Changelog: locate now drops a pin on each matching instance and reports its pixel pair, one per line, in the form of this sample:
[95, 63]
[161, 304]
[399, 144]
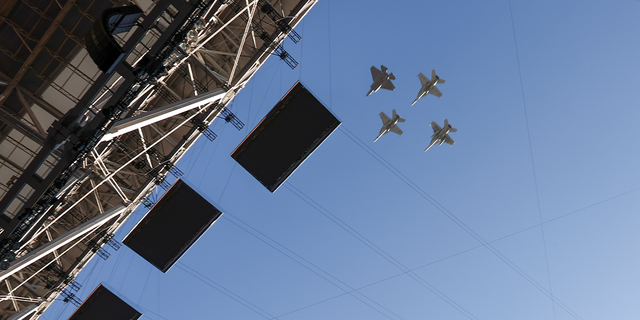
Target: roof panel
[24, 16]
[70, 18]
[41, 28]
[31, 81]
[12, 103]
[51, 68]
[8, 65]
[41, 61]
[23, 53]
[54, 9]
[67, 48]
[98, 6]
[56, 39]
[42, 4]
[9, 38]
[83, 27]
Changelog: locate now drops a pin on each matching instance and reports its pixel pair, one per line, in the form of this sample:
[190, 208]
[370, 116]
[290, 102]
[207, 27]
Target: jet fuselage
[387, 127]
[378, 84]
[441, 135]
[428, 86]
[389, 124]
[381, 79]
[425, 90]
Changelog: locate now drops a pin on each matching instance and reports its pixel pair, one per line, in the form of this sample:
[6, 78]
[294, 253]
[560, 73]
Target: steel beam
[218, 78]
[58, 243]
[153, 116]
[32, 115]
[41, 103]
[5, 80]
[26, 312]
[244, 38]
[27, 286]
[23, 128]
[188, 119]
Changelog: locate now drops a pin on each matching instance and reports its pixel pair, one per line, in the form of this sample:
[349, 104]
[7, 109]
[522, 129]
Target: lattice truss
[79, 178]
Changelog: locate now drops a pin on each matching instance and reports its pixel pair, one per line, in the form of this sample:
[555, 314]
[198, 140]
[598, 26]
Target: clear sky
[532, 214]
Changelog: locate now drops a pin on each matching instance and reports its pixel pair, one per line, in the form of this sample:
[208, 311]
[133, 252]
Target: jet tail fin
[434, 76]
[391, 76]
[395, 114]
[446, 124]
[384, 69]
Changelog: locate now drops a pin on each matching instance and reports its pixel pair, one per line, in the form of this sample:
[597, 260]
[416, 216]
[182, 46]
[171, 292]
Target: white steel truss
[203, 74]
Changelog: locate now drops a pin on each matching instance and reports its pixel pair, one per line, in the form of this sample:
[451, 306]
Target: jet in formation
[389, 124]
[381, 80]
[429, 86]
[441, 135]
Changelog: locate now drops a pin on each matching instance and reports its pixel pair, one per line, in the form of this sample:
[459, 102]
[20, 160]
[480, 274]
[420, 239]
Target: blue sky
[547, 133]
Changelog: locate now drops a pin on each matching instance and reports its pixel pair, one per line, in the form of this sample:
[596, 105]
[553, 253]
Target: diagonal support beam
[26, 312]
[32, 115]
[153, 116]
[27, 286]
[244, 38]
[41, 103]
[56, 255]
[218, 78]
[208, 58]
[10, 296]
[214, 34]
[59, 242]
[144, 145]
[112, 182]
[5, 80]
[17, 124]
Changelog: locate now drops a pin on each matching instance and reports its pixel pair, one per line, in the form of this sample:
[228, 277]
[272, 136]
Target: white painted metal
[153, 116]
[114, 173]
[16, 298]
[50, 247]
[252, 10]
[222, 51]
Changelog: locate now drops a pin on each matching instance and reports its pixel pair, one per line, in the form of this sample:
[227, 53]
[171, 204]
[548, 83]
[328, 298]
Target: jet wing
[448, 140]
[436, 128]
[384, 118]
[435, 91]
[376, 74]
[396, 129]
[388, 85]
[423, 79]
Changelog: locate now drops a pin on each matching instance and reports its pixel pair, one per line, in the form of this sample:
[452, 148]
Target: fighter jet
[429, 86]
[389, 124]
[381, 80]
[441, 134]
